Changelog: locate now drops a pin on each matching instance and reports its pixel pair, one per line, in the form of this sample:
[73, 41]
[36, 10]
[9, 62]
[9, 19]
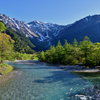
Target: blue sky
[61, 12]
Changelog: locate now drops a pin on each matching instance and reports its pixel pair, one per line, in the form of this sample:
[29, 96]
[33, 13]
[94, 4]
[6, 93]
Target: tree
[68, 48]
[69, 57]
[94, 57]
[41, 56]
[6, 46]
[75, 43]
[86, 48]
[59, 52]
[76, 50]
[50, 55]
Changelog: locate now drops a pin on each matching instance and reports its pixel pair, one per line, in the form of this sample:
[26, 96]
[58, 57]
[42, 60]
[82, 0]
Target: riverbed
[41, 81]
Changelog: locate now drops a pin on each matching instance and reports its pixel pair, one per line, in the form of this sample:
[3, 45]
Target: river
[41, 81]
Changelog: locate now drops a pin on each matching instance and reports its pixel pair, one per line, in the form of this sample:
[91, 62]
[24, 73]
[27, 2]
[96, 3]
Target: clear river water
[41, 81]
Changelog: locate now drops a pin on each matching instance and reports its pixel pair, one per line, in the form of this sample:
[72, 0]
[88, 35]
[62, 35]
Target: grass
[5, 68]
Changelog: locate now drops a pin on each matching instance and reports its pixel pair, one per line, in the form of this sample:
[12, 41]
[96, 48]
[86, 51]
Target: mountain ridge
[43, 34]
[88, 26]
[33, 29]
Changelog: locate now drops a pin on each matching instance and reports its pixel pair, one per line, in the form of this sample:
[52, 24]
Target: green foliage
[41, 56]
[86, 52]
[2, 27]
[34, 56]
[4, 65]
[59, 54]
[94, 57]
[6, 46]
[75, 43]
[86, 48]
[5, 68]
[23, 56]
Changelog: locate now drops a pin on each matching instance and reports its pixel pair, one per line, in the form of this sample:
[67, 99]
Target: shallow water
[45, 82]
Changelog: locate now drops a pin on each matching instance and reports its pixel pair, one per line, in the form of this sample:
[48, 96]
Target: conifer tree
[86, 48]
[59, 52]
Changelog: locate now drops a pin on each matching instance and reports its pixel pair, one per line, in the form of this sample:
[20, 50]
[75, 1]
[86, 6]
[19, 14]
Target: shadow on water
[71, 79]
[40, 65]
[92, 74]
[33, 67]
[93, 77]
[57, 76]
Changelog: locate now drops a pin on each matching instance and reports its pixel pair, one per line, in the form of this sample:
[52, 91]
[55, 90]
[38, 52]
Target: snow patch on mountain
[16, 23]
[41, 31]
[41, 37]
[6, 22]
[47, 30]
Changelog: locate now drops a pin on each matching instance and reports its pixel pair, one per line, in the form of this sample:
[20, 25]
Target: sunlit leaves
[2, 27]
[6, 46]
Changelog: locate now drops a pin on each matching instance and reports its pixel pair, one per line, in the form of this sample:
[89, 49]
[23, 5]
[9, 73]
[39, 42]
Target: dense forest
[71, 54]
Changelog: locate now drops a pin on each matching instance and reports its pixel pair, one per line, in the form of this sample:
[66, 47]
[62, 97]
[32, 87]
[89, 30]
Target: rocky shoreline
[27, 61]
[80, 69]
[5, 78]
[87, 70]
[76, 68]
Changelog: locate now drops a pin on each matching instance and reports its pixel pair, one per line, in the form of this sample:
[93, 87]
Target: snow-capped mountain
[43, 34]
[40, 31]
[46, 31]
[19, 26]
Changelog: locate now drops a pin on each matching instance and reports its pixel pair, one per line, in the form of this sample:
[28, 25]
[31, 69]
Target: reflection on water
[45, 82]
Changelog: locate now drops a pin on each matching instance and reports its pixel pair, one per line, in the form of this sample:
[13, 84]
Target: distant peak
[36, 21]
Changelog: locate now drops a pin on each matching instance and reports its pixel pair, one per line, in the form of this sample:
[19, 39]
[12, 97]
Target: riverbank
[7, 77]
[27, 61]
[76, 68]
[87, 70]
[5, 69]
[79, 69]
[6, 73]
